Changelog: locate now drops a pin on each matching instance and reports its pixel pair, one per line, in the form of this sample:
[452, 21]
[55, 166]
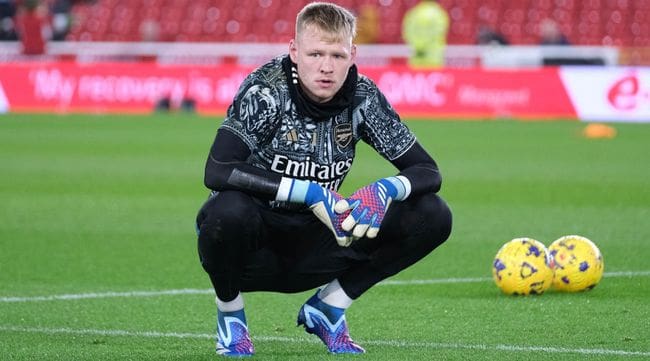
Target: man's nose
[327, 65]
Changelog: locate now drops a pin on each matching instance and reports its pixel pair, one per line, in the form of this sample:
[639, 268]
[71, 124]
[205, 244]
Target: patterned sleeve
[382, 127]
[253, 115]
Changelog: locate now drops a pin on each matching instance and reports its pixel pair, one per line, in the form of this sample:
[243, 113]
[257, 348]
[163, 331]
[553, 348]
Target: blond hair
[330, 18]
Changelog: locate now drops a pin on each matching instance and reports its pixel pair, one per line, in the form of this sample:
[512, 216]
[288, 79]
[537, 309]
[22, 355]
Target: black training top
[273, 130]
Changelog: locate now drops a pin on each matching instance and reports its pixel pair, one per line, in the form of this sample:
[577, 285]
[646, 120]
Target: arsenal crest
[343, 134]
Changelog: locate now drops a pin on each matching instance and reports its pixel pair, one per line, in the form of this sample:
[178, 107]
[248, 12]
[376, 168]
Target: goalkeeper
[274, 220]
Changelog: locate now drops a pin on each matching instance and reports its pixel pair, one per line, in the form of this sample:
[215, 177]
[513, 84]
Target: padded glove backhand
[320, 200]
[369, 204]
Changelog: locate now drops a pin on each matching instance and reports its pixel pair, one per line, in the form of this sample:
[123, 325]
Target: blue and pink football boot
[328, 323]
[232, 335]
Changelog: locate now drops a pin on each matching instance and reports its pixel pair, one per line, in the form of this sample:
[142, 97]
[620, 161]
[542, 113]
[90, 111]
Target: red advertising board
[116, 87]
[135, 88]
[475, 93]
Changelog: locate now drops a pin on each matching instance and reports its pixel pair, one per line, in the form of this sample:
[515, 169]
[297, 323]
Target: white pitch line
[433, 281]
[389, 343]
[81, 296]
[193, 291]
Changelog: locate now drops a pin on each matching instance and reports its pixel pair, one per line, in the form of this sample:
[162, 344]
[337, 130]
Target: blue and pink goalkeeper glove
[369, 204]
[320, 200]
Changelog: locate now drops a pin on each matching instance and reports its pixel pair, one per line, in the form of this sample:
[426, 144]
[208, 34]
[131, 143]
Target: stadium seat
[586, 22]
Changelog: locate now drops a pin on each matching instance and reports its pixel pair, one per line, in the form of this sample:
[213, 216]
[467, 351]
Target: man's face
[323, 62]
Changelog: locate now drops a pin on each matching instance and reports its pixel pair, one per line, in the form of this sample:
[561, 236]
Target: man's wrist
[402, 187]
[292, 190]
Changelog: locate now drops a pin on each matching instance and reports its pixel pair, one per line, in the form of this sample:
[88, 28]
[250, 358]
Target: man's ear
[353, 53]
[293, 51]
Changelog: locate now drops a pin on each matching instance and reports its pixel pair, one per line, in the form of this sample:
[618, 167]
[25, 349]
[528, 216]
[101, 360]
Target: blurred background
[465, 35]
[108, 109]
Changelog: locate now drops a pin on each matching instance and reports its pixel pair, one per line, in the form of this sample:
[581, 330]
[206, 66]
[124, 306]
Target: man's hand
[369, 204]
[321, 202]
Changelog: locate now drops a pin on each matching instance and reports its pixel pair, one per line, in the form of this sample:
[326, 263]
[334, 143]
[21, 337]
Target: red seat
[588, 22]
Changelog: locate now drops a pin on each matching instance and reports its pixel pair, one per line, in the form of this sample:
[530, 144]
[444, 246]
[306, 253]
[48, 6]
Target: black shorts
[247, 245]
[294, 251]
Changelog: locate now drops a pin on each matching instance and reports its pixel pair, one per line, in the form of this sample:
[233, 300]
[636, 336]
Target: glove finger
[375, 222]
[360, 230]
[343, 241]
[348, 223]
[360, 214]
[372, 232]
[342, 206]
[321, 212]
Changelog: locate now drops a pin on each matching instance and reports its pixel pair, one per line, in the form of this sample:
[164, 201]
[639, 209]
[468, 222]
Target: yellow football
[577, 262]
[522, 267]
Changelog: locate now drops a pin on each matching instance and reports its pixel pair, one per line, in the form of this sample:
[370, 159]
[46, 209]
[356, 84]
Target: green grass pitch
[98, 253]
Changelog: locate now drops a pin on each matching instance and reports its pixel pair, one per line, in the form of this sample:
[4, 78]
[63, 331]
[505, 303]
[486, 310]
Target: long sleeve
[226, 168]
[420, 169]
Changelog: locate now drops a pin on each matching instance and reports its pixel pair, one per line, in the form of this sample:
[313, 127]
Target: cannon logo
[343, 135]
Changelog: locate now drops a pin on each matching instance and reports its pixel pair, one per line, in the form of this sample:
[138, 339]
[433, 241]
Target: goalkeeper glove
[369, 204]
[321, 202]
